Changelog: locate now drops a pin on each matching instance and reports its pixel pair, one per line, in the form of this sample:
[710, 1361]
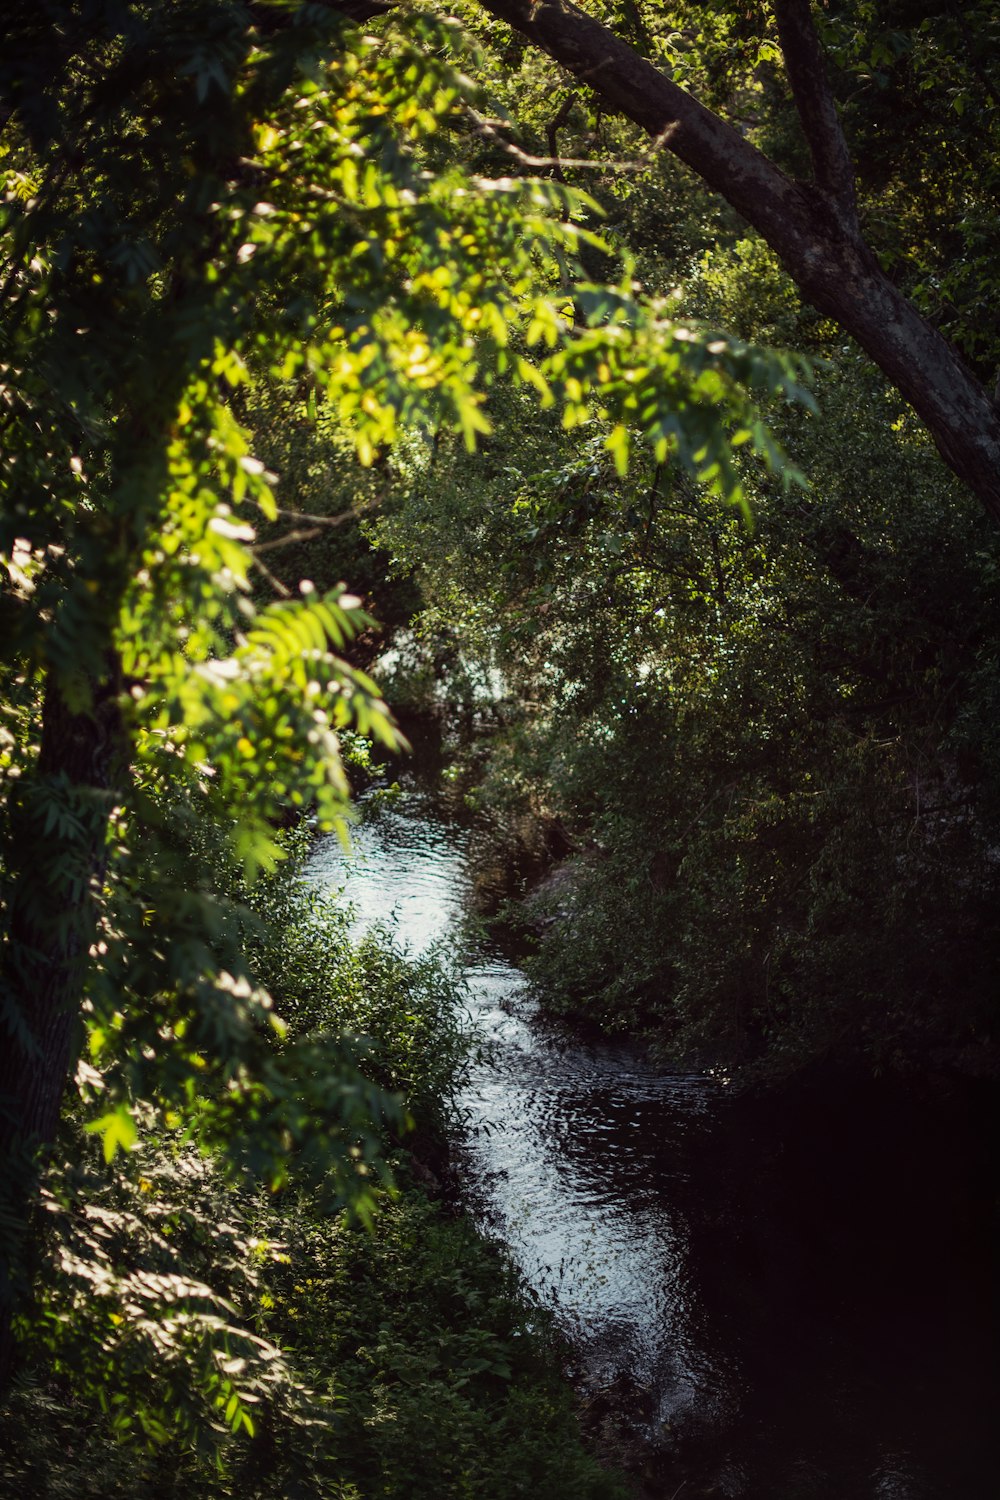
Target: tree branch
[633, 87]
[490, 130]
[812, 229]
[553, 128]
[307, 534]
[805, 66]
[340, 519]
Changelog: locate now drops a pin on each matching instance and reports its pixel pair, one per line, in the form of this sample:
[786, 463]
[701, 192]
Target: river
[788, 1297]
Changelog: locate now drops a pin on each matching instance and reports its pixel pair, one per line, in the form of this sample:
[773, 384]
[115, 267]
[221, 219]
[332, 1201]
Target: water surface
[792, 1297]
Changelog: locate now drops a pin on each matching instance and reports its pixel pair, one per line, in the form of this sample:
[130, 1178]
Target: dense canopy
[611, 354]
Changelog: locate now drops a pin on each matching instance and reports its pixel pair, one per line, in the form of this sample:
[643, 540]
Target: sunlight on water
[688, 1243]
[559, 1138]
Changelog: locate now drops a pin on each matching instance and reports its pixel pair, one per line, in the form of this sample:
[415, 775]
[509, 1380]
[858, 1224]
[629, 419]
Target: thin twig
[489, 128]
[287, 540]
[276, 583]
[553, 129]
[340, 519]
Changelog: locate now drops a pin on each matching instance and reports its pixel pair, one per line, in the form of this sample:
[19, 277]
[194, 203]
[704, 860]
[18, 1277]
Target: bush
[192, 1332]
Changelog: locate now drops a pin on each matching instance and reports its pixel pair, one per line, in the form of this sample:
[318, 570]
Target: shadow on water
[845, 1248]
[797, 1292]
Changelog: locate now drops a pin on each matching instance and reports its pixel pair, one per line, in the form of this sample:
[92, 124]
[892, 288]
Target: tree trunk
[845, 281]
[811, 226]
[59, 842]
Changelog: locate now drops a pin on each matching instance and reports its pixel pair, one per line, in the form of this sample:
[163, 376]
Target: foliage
[417, 1371]
[238, 240]
[257, 204]
[400, 1015]
[757, 743]
[146, 1300]
[920, 103]
[206, 209]
[448, 1384]
[189, 1332]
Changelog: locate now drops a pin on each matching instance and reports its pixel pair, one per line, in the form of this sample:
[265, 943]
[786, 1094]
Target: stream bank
[783, 1296]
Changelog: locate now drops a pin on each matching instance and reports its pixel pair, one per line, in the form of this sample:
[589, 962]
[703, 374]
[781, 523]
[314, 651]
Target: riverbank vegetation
[759, 741]
[761, 751]
[221, 223]
[189, 1329]
[307, 301]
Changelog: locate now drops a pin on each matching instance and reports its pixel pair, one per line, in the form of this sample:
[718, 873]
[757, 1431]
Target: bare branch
[307, 534]
[805, 66]
[287, 540]
[554, 126]
[489, 129]
[279, 588]
[340, 519]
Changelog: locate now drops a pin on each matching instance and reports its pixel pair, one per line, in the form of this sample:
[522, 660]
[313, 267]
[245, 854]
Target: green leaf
[118, 1131]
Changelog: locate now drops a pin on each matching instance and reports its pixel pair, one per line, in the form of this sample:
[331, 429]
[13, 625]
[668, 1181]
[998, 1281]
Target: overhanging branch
[632, 86]
[813, 230]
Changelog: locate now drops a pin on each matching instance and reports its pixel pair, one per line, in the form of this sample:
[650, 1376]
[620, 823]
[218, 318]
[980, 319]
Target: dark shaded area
[822, 1315]
[844, 1246]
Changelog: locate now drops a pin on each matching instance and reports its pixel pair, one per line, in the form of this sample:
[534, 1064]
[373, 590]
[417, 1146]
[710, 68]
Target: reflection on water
[566, 1144]
[793, 1315]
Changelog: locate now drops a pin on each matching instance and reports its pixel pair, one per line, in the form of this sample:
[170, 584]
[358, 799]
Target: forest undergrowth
[194, 1333]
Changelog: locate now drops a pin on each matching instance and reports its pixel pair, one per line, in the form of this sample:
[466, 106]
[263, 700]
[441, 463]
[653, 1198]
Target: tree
[762, 755]
[200, 200]
[813, 225]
